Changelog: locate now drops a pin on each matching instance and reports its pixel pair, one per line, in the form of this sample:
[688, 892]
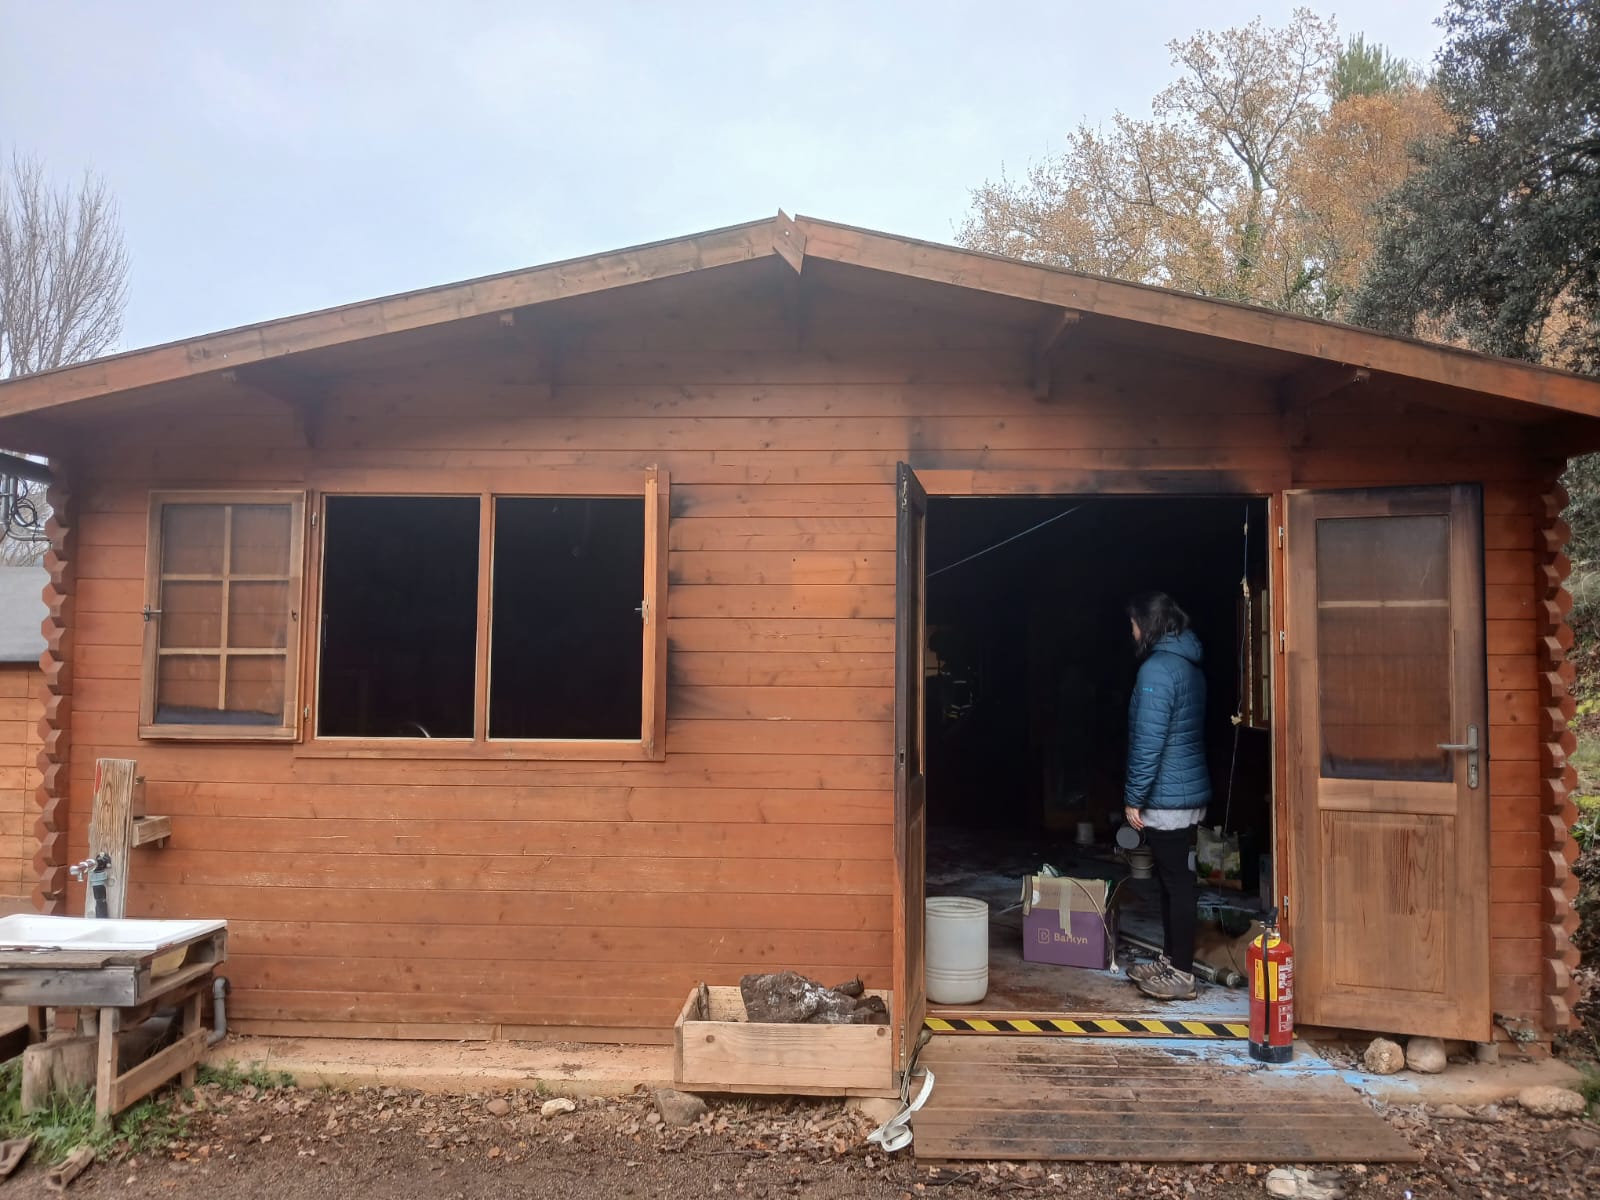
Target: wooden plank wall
[474, 898]
[21, 701]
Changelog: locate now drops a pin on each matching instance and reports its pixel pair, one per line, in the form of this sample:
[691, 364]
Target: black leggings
[1178, 893]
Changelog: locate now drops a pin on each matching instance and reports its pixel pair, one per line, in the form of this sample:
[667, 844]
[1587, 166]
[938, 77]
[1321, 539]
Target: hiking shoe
[1139, 972]
[1169, 984]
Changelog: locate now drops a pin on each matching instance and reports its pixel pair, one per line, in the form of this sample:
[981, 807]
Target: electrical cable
[990, 549]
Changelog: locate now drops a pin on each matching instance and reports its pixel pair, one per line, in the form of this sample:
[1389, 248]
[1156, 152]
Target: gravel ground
[287, 1143]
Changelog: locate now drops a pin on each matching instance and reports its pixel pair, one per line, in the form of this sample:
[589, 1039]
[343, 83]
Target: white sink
[29, 931]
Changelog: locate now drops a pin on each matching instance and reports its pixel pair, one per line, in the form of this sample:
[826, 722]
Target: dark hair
[1158, 615]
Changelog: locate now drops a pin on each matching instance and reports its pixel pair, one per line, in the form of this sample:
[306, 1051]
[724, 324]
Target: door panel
[1389, 814]
[910, 779]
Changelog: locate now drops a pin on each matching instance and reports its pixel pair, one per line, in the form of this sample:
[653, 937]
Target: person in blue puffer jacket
[1168, 785]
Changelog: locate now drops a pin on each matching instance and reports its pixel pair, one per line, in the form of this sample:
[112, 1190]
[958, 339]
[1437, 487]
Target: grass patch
[231, 1077]
[1589, 1088]
[68, 1122]
[1586, 758]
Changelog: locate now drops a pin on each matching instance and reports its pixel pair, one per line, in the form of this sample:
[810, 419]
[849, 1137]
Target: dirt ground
[287, 1143]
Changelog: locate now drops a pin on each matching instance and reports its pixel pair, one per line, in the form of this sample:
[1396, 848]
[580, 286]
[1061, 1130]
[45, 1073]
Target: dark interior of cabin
[1030, 667]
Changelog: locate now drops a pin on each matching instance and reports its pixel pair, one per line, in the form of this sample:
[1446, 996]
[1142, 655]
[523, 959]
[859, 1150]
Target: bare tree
[63, 287]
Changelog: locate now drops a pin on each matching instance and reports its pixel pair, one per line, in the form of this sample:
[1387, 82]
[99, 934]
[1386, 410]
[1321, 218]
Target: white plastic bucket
[957, 950]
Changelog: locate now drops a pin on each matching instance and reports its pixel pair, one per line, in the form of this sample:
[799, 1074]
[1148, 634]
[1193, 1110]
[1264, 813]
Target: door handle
[1472, 752]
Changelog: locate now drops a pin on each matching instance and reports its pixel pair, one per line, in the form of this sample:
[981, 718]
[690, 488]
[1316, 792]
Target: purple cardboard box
[1068, 922]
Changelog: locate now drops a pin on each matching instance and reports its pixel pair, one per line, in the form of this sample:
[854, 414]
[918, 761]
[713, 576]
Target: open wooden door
[1388, 768]
[910, 779]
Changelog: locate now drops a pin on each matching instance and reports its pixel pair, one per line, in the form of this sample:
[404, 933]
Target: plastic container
[957, 950]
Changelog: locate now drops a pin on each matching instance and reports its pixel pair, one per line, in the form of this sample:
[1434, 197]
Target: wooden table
[116, 990]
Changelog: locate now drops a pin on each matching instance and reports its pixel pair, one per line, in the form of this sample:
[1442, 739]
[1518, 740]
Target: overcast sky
[277, 156]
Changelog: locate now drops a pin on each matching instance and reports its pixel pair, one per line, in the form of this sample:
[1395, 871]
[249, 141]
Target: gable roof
[794, 241]
[22, 613]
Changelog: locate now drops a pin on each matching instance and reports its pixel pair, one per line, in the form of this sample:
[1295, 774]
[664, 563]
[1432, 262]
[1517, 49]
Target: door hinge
[305, 713]
[1283, 641]
[1283, 909]
[313, 519]
[1280, 537]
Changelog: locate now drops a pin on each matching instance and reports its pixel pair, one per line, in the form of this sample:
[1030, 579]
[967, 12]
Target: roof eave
[793, 241]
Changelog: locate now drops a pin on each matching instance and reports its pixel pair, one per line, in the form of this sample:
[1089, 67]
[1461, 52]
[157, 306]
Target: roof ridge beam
[789, 241]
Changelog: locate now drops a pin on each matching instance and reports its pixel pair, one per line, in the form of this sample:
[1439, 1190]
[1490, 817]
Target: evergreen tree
[1495, 240]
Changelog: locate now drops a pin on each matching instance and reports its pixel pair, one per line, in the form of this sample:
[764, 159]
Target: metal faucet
[97, 870]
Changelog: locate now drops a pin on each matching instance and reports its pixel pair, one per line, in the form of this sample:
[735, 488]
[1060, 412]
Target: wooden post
[106, 1068]
[111, 828]
[193, 1016]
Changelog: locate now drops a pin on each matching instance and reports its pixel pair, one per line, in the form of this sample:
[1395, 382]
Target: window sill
[214, 733]
[464, 750]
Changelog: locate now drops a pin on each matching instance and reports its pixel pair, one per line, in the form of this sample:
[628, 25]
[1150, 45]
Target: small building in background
[22, 611]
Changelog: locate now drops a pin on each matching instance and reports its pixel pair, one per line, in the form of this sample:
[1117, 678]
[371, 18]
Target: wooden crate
[723, 1051]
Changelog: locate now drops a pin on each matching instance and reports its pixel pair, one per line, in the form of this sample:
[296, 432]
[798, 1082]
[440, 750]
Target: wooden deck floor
[1067, 1099]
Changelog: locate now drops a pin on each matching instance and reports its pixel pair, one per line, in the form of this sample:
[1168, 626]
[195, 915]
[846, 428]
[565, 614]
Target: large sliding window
[565, 658]
[505, 623]
[399, 638]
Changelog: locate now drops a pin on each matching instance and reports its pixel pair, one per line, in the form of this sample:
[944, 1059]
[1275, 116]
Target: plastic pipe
[219, 1015]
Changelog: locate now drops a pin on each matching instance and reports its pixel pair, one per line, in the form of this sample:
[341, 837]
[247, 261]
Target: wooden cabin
[512, 655]
[21, 703]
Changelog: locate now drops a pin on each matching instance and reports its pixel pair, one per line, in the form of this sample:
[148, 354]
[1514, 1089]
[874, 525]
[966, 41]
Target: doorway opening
[1030, 665]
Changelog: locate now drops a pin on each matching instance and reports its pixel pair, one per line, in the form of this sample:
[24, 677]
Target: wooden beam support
[25, 468]
[542, 334]
[1317, 383]
[303, 393]
[1054, 332]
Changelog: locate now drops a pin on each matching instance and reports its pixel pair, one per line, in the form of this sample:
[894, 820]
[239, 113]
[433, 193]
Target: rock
[679, 1108]
[1295, 1184]
[1452, 1112]
[554, 1108]
[498, 1107]
[1583, 1138]
[1426, 1055]
[1281, 1182]
[788, 997]
[1552, 1102]
[1384, 1057]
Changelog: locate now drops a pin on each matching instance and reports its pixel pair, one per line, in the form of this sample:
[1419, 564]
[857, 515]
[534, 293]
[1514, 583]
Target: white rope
[1007, 542]
[895, 1133]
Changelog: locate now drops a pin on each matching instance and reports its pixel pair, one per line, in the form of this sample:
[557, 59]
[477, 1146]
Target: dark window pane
[1383, 647]
[567, 656]
[399, 617]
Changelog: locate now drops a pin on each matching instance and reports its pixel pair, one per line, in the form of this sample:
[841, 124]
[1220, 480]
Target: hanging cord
[990, 549]
[1244, 680]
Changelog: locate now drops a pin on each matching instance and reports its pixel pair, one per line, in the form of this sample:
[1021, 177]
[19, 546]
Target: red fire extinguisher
[1270, 963]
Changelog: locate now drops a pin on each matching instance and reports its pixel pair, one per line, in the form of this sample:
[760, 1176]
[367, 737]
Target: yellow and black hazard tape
[1104, 1027]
